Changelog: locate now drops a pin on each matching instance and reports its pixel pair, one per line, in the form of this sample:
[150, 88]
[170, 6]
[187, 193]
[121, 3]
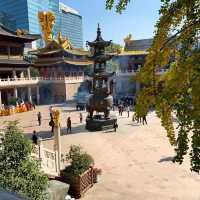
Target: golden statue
[127, 39]
[56, 117]
[21, 32]
[47, 20]
[64, 42]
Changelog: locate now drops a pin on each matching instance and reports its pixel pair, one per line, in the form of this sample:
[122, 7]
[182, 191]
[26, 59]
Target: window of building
[15, 51]
[3, 50]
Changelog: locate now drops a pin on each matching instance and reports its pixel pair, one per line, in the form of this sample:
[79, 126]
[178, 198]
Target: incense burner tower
[101, 99]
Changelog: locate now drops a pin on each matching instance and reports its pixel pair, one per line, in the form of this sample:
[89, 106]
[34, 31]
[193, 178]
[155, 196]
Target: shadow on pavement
[75, 130]
[166, 159]
[134, 124]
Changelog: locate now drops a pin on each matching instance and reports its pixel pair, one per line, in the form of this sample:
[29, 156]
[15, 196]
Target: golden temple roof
[75, 62]
[129, 53]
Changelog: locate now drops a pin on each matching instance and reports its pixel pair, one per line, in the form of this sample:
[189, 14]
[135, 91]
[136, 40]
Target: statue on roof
[47, 20]
[127, 39]
[64, 41]
[21, 32]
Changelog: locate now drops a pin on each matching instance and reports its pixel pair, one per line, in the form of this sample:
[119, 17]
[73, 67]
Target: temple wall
[52, 93]
[71, 90]
[59, 93]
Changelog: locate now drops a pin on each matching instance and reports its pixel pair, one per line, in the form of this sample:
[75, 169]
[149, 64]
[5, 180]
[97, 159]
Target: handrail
[44, 78]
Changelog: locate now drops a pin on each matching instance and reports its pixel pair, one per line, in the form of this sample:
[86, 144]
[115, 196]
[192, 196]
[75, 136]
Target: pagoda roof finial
[99, 32]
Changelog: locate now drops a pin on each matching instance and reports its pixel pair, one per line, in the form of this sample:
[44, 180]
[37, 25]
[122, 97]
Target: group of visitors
[122, 108]
[125, 101]
[52, 123]
[140, 119]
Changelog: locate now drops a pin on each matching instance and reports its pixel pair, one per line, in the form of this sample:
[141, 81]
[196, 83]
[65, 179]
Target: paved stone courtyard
[136, 161]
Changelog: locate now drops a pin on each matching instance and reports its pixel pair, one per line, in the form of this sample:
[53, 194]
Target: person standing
[115, 126]
[128, 110]
[81, 117]
[69, 125]
[39, 117]
[122, 109]
[52, 124]
[35, 138]
[144, 120]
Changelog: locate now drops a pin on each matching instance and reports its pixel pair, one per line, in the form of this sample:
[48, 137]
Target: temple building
[59, 62]
[14, 70]
[129, 61]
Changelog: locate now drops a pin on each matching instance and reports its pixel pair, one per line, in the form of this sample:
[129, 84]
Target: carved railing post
[57, 142]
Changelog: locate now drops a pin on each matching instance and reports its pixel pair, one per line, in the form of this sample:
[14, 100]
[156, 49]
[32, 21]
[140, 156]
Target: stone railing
[128, 72]
[13, 82]
[48, 159]
[125, 72]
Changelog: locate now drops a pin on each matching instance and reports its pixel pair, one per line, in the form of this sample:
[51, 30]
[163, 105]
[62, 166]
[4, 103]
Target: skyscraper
[25, 13]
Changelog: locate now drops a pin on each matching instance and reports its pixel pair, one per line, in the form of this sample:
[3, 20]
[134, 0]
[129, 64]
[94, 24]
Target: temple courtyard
[135, 161]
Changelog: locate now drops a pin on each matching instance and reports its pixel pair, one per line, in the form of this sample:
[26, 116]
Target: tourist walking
[144, 120]
[52, 125]
[81, 117]
[128, 110]
[69, 125]
[39, 117]
[35, 138]
[115, 126]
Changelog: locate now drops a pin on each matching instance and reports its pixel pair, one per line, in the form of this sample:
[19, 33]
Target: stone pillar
[29, 95]
[22, 74]
[38, 95]
[15, 93]
[28, 73]
[14, 74]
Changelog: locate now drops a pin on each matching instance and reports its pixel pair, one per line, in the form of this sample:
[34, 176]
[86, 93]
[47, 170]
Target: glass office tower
[8, 21]
[71, 25]
[25, 13]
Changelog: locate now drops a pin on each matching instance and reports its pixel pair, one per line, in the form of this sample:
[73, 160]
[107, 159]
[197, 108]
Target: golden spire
[47, 20]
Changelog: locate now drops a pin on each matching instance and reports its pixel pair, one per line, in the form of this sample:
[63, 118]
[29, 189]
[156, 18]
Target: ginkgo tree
[175, 94]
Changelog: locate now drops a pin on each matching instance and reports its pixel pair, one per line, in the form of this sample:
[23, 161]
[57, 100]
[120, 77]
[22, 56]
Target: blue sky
[138, 19]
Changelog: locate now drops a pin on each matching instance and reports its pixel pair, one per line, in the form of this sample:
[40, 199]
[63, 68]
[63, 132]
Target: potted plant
[79, 174]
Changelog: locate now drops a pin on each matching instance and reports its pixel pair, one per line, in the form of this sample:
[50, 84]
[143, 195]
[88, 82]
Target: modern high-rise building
[25, 15]
[7, 21]
[70, 25]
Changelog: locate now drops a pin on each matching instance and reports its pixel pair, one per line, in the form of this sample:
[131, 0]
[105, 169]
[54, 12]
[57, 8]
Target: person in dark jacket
[144, 120]
[115, 126]
[52, 124]
[69, 125]
[34, 137]
[81, 117]
[39, 117]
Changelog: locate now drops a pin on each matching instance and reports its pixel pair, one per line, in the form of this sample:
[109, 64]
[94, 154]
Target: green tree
[120, 5]
[176, 92]
[113, 48]
[18, 171]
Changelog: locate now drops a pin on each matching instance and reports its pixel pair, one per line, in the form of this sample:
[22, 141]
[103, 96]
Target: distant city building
[130, 60]
[7, 21]
[71, 25]
[25, 15]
